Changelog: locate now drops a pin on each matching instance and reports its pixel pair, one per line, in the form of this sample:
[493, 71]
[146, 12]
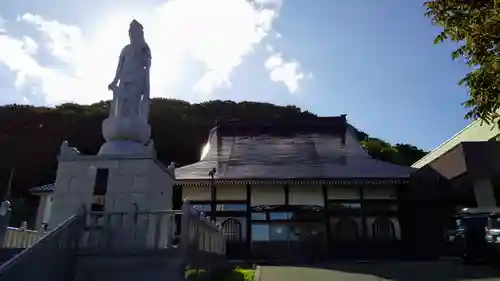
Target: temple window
[259, 216]
[232, 207]
[260, 232]
[280, 215]
[383, 229]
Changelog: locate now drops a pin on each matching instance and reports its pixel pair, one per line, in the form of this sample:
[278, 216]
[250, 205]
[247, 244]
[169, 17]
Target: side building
[467, 166]
[285, 190]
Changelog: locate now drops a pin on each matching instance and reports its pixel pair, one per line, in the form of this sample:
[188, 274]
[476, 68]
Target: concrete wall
[129, 268]
[485, 195]
[143, 181]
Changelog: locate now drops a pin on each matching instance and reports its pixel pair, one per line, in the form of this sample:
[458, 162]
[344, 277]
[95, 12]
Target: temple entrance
[288, 232]
[345, 236]
[358, 230]
[233, 230]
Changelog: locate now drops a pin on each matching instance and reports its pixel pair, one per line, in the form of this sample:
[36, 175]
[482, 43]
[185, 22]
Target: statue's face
[135, 35]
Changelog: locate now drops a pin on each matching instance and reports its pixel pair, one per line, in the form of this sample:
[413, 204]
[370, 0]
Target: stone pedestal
[43, 211]
[133, 181]
[125, 136]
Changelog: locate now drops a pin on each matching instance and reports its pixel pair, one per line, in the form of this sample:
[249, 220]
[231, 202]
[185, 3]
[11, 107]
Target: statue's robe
[129, 96]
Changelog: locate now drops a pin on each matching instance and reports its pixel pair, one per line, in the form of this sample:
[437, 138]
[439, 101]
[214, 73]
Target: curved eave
[207, 182]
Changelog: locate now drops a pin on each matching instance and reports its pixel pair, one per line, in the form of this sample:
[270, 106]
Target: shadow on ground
[397, 271]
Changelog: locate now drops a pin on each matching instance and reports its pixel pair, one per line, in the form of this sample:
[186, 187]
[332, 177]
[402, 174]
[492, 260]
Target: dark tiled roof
[309, 153]
[283, 127]
[47, 188]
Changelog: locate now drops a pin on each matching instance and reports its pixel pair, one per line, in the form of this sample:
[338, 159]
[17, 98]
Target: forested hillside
[30, 137]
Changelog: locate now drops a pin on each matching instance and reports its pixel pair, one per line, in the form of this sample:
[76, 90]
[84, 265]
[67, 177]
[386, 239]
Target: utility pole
[213, 199]
[9, 184]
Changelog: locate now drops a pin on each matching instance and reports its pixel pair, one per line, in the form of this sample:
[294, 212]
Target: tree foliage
[30, 137]
[475, 26]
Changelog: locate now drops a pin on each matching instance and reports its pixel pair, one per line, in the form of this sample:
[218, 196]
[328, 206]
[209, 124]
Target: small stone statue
[67, 150]
[4, 208]
[171, 166]
[130, 85]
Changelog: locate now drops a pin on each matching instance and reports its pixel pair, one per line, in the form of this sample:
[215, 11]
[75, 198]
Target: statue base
[125, 136]
[124, 147]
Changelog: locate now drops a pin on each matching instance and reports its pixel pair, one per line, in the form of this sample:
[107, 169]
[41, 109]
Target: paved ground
[397, 271]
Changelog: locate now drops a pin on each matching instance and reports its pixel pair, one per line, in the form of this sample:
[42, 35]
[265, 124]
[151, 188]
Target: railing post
[79, 228]
[4, 220]
[185, 227]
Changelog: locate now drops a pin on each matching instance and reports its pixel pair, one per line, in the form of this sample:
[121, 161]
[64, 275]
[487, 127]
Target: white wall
[231, 192]
[306, 195]
[267, 195]
[343, 192]
[298, 194]
[201, 193]
[380, 192]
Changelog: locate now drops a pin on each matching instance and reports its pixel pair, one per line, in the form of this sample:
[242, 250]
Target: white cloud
[2, 25]
[29, 45]
[287, 72]
[63, 40]
[217, 33]
[269, 2]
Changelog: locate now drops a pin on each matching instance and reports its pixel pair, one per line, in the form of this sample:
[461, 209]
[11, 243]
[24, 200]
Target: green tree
[475, 26]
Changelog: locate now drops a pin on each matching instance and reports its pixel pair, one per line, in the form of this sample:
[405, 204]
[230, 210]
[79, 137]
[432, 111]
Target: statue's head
[136, 32]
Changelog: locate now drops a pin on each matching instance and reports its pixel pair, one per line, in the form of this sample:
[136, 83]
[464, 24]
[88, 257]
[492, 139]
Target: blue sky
[373, 60]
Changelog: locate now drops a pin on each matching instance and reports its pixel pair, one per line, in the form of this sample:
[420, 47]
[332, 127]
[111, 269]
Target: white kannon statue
[131, 83]
[126, 130]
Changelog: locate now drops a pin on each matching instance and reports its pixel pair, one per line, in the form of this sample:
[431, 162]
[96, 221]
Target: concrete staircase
[8, 253]
[104, 246]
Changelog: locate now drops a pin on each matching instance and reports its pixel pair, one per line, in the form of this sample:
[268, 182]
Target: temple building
[287, 189]
[469, 165]
[304, 189]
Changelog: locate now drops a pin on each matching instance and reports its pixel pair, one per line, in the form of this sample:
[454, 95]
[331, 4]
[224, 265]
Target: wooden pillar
[403, 249]
[249, 219]
[399, 188]
[213, 200]
[364, 232]
[324, 189]
[286, 188]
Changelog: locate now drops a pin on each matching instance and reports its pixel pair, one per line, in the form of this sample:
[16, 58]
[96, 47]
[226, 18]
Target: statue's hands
[112, 86]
